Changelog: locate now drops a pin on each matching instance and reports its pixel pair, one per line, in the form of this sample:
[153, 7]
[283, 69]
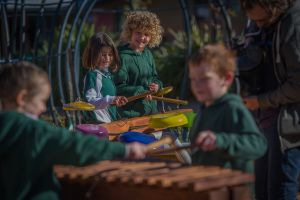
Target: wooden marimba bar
[152, 181]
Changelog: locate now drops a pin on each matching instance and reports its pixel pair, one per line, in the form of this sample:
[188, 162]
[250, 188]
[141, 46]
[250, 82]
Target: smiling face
[105, 58]
[206, 84]
[139, 40]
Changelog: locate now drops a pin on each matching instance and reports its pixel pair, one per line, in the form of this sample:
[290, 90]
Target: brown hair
[221, 59]
[93, 50]
[19, 76]
[143, 21]
[272, 7]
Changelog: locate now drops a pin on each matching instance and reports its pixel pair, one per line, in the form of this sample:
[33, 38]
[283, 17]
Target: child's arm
[100, 102]
[91, 85]
[59, 146]
[46, 145]
[245, 141]
[206, 141]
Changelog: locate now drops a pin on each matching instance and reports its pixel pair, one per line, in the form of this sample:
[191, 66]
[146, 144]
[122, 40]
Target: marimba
[152, 181]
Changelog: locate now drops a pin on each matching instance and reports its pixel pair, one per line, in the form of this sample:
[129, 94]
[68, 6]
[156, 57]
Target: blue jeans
[276, 172]
[291, 169]
[268, 172]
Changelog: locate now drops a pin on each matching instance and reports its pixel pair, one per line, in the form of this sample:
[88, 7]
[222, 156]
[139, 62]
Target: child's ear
[229, 78]
[21, 98]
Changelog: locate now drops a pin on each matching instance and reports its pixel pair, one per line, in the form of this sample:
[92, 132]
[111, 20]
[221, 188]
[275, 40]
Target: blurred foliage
[68, 86]
[170, 57]
[87, 31]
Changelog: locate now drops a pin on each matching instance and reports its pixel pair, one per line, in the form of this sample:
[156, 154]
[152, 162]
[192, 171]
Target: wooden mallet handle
[164, 140]
[139, 96]
[172, 149]
[170, 100]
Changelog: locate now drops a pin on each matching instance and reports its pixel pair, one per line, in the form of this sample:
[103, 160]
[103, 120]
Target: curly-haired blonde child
[101, 58]
[137, 74]
[29, 148]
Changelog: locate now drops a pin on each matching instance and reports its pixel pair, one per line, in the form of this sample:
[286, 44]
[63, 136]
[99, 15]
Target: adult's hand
[251, 102]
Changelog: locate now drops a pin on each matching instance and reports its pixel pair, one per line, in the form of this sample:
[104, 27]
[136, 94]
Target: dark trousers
[268, 171]
[291, 169]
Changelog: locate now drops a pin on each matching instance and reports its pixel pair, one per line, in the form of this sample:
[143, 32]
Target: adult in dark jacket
[279, 100]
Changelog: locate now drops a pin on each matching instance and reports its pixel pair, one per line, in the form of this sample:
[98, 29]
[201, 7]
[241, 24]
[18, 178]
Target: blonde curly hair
[142, 21]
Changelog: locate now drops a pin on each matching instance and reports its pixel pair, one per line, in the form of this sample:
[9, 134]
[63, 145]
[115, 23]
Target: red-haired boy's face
[206, 84]
[139, 40]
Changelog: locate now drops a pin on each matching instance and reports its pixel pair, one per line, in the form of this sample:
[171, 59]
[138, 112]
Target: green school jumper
[30, 148]
[239, 141]
[137, 71]
[99, 90]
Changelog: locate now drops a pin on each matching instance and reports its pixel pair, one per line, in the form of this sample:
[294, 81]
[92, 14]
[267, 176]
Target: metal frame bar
[187, 27]
[49, 61]
[5, 40]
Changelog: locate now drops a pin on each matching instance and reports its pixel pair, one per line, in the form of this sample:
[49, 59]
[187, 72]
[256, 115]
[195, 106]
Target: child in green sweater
[137, 73]
[101, 57]
[225, 131]
[29, 148]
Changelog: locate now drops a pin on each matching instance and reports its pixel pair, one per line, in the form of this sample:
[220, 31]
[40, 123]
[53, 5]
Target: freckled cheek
[198, 89]
[44, 108]
[194, 86]
[200, 85]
